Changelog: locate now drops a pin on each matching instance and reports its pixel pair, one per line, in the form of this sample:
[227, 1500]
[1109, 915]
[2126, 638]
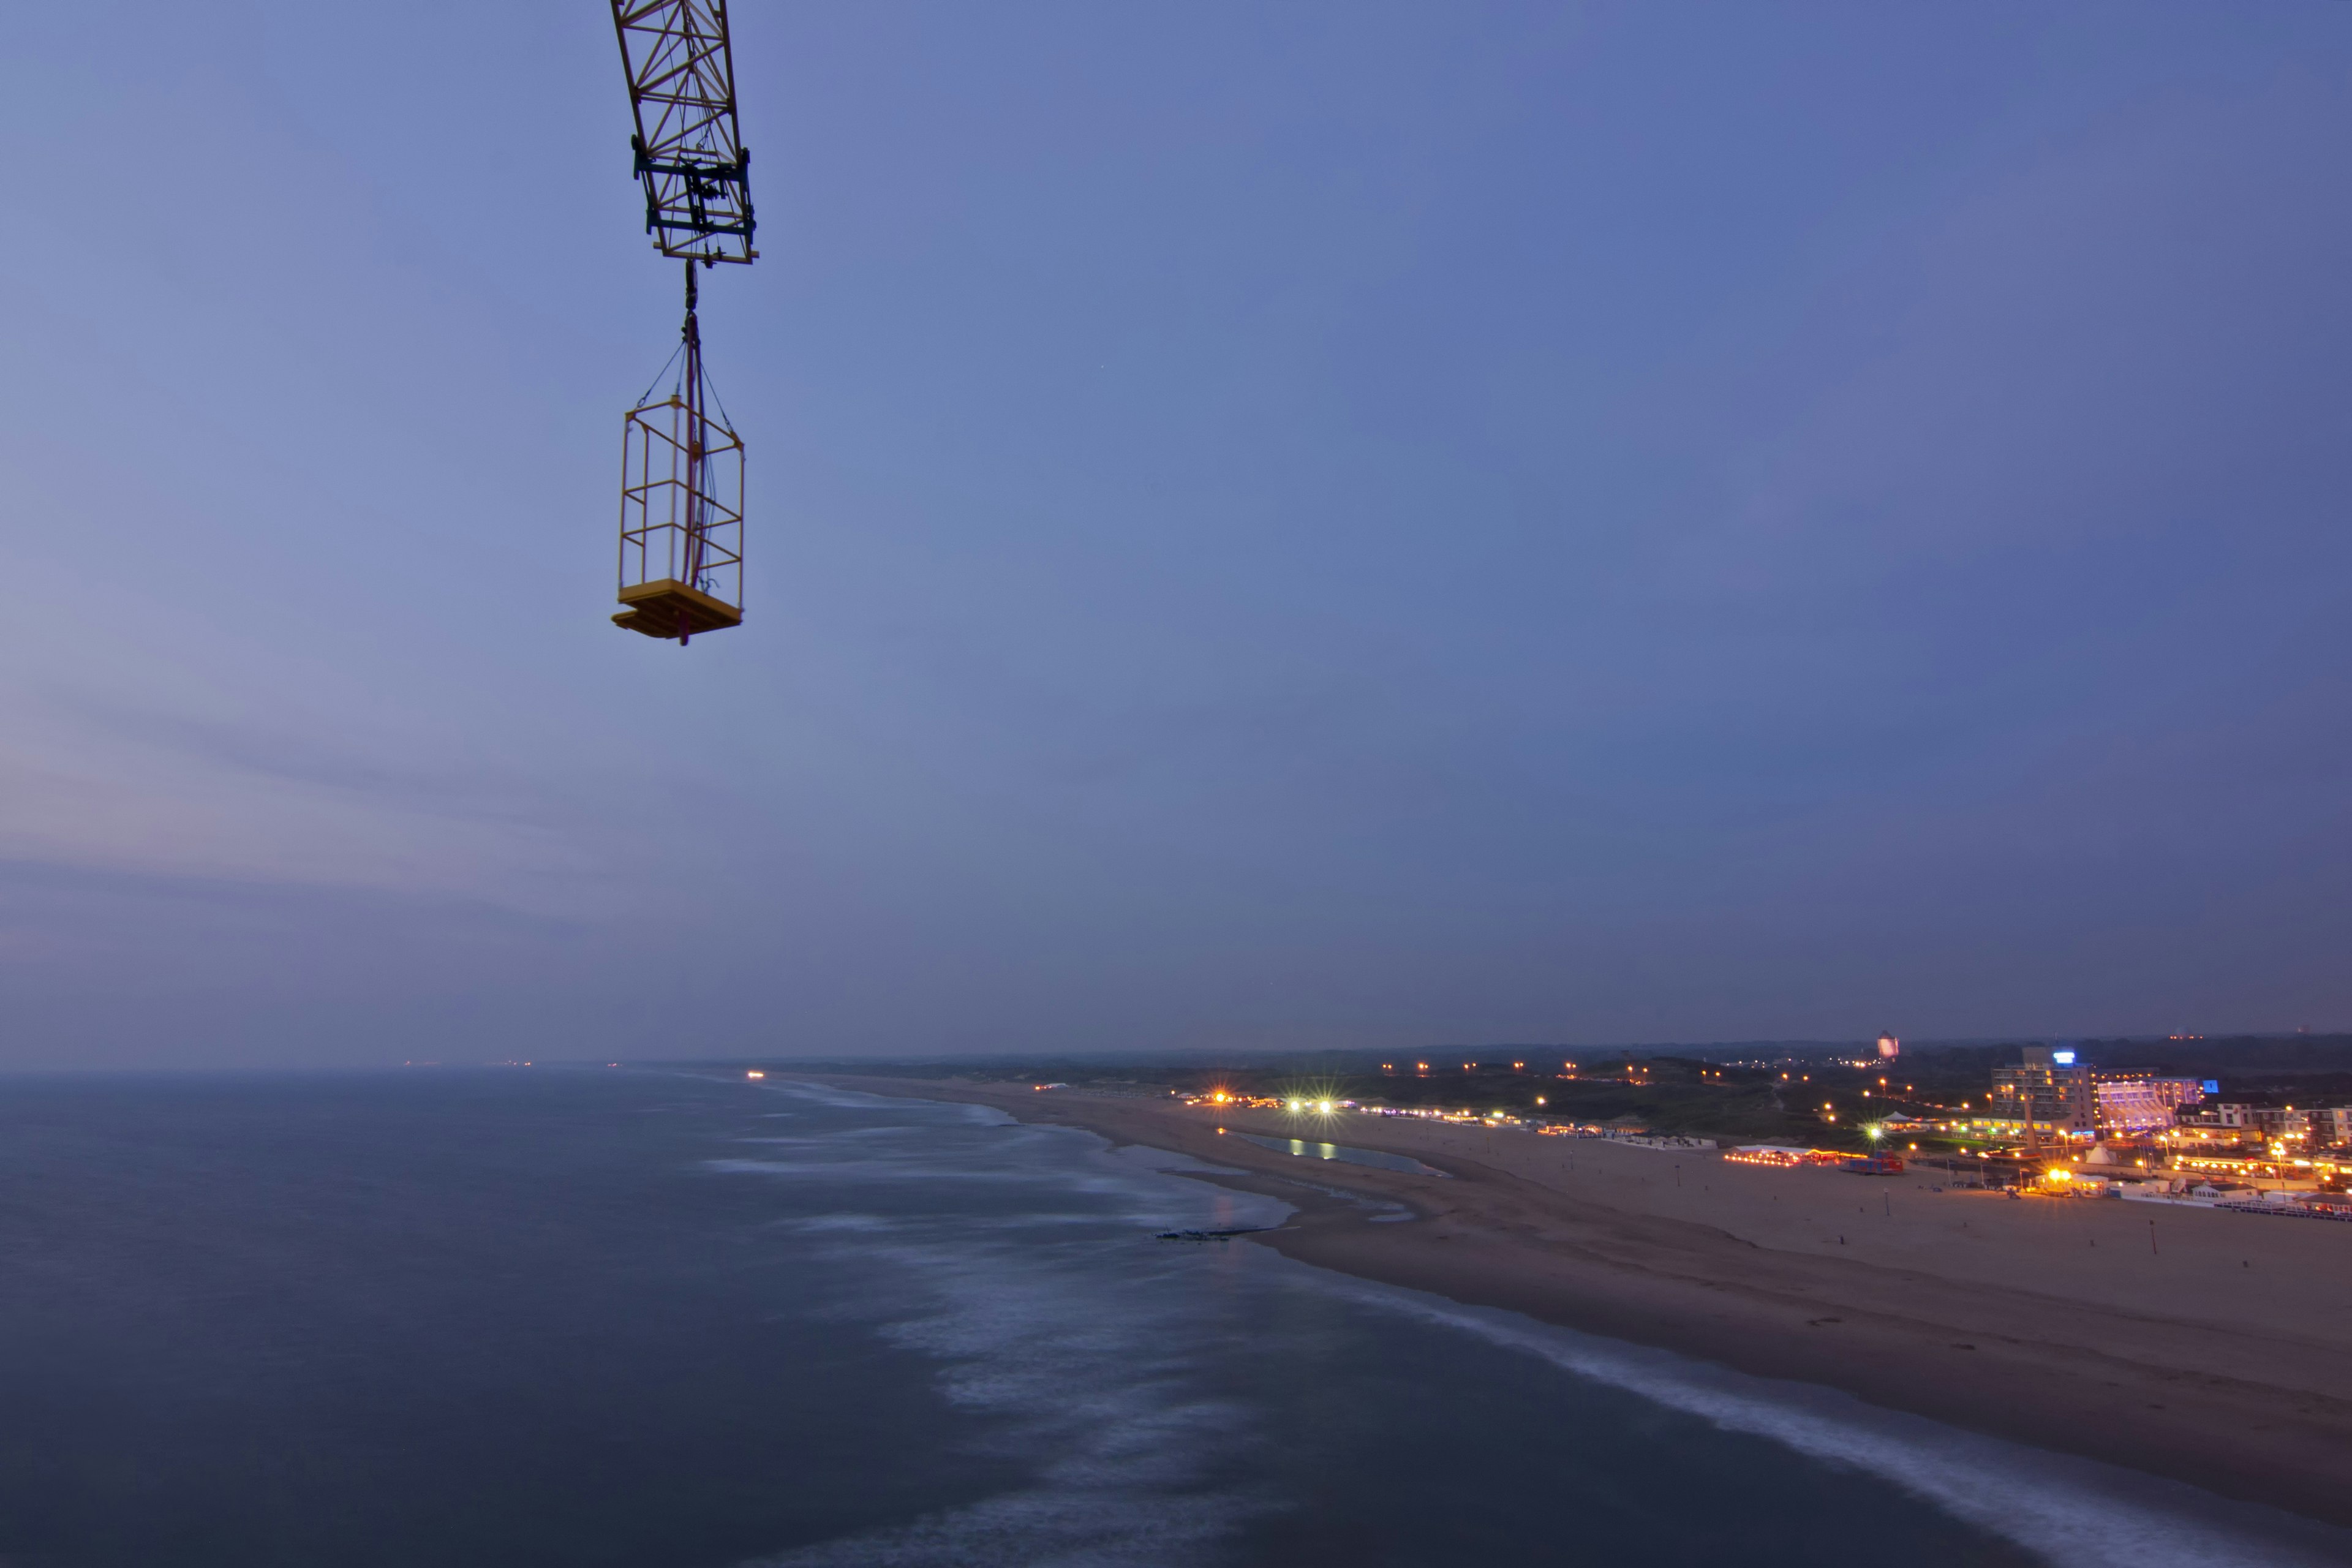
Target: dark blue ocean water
[652, 1320]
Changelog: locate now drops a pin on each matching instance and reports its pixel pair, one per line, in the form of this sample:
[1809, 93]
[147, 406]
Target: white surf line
[862, 1099]
[1094, 1375]
[2076, 1511]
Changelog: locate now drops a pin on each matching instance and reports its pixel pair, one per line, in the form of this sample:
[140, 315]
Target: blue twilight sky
[1306, 524]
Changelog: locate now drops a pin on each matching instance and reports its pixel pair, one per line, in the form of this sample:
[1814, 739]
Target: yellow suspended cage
[681, 567]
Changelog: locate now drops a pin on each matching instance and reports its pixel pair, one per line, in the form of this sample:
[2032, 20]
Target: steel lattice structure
[689, 148]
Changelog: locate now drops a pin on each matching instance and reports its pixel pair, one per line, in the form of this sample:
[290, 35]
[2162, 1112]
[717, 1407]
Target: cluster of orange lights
[1780, 1157]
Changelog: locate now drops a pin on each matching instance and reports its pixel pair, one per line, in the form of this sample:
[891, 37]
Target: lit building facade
[2131, 1105]
[2224, 1117]
[2308, 1127]
[2047, 1094]
[2331, 1127]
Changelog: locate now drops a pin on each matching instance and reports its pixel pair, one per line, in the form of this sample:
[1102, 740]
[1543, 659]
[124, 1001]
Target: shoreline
[2223, 1360]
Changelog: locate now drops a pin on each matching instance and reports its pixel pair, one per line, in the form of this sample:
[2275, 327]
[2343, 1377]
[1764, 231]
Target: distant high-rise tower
[1889, 1047]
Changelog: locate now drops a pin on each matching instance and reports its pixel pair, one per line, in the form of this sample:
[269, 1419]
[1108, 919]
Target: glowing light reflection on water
[1317, 1151]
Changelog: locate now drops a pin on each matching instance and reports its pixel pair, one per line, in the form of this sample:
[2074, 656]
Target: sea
[632, 1318]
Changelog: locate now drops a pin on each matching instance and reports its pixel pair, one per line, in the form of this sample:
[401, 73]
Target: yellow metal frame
[681, 564]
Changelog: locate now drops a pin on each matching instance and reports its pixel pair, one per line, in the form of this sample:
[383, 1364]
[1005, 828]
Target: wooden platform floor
[667, 608]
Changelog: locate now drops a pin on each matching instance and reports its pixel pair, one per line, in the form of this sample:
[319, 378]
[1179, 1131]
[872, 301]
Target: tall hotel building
[2048, 1093]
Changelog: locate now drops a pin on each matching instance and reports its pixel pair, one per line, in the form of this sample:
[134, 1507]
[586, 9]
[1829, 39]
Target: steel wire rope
[648, 392]
[726, 420]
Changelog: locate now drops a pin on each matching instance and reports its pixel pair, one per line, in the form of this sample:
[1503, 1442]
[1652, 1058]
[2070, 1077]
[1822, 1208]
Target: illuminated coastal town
[2048, 1121]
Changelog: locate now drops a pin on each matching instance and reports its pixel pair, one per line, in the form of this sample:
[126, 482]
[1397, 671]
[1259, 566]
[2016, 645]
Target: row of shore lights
[1471, 1067]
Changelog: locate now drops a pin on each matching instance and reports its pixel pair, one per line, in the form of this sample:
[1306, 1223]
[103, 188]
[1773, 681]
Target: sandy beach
[2207, 1346]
